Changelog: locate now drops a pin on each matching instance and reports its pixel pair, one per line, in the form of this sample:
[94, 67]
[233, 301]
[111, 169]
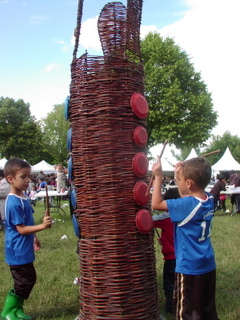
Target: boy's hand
[47, 222]
[157, 168]
[36, 244]
[177, 166]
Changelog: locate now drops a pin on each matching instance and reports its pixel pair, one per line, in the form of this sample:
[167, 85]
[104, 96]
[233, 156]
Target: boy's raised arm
[157, 200]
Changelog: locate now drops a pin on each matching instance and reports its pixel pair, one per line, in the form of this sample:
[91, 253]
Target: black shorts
[24, 277]
[194, 296]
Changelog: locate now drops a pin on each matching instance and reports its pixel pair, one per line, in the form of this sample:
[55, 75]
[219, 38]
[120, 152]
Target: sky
[37, 46]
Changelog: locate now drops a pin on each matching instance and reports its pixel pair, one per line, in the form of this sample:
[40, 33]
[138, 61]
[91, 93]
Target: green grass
[55, 297]
[57, 264]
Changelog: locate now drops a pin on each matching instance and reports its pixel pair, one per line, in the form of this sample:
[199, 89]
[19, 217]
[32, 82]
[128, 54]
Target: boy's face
[20, 181]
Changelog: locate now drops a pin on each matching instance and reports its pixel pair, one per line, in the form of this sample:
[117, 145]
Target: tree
[20, 134]
[181, 108]
[221, 143]
[55, 128]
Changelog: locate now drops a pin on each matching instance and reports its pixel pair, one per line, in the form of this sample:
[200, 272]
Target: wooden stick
[47, 212]
[210, 153]
[157, 232]
[151, 180]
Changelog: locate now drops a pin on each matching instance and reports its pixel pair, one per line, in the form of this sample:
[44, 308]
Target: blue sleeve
[14, 212]
[179, 208]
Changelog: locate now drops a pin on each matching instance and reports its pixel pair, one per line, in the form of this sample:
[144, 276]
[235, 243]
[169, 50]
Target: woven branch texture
[117, 262]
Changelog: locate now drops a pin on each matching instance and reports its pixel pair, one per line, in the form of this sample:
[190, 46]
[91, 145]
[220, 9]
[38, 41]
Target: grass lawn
[57, 263]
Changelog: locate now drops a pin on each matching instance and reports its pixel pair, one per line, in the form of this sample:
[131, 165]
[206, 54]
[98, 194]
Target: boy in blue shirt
[20, 238]
[195, 273]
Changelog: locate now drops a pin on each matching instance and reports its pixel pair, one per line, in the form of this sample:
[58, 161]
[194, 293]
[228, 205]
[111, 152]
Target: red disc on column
[140, 136]
[139, 105]
[139, 191]
[140, 164]
[144, 221]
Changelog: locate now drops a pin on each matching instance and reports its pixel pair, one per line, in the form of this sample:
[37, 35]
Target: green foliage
[221, 143]
[20, 133]
[55, 128]
[54, 297]
[24, 137]
[57, 264]
[181, 108]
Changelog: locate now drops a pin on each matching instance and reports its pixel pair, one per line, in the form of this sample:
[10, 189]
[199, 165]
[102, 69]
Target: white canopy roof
[165, 165]
[43, 166]
[166, 158]
[192, 154]
[2, 162]
[226, 163]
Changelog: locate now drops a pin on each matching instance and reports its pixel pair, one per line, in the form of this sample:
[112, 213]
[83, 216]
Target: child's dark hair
[12, 166]
[197, 169]
[221, 177]
[224, 175]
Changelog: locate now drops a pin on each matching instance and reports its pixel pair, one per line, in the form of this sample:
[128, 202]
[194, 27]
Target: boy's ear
[190, 183]
[9, 179]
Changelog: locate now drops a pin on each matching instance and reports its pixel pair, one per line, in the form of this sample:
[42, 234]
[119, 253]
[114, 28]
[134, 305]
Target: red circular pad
[140, 164]
[140, 136]
[139, 191]
[144, 221]
[139, 105]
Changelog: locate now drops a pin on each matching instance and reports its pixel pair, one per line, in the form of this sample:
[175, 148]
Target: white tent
[43, 166]
[165, 165]
[2, 162]
[192, 154]
[226, 163]
[166, 159]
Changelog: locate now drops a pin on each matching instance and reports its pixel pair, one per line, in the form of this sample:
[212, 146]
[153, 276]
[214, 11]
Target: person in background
[32, 196]
[166, 240]
[31, 184]
[233, 178]
[195, 273]
[170, 181]
[4, 191]
[52, 181]
[220, 185]
[20, 238]
[41, 176]
[42, 184]
[235, 198]
[61, 178]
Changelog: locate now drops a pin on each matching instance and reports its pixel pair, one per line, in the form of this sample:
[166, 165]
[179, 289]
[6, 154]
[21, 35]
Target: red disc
[139, 193]
[140, 164]
[139, 105]
[144, 221]
[140, 136]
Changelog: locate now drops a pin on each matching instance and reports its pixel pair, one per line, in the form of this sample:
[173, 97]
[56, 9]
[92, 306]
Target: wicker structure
[117, 261]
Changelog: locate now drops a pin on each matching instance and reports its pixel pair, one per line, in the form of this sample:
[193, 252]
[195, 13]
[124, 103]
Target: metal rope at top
[78, 28]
